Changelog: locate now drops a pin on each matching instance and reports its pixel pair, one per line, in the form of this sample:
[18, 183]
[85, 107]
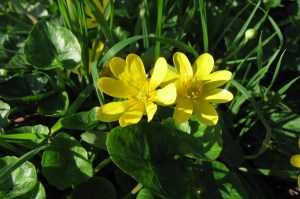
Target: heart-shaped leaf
[146, 152]
[51, 46]
[65, 162]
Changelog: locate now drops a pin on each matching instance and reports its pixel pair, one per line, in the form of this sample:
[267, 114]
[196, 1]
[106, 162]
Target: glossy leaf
[40, 129]
[227, 183]
[38, 192]
[26, 87]
[197, 140]
[95, 138]
[213, 180]
[145, 151]
[55, 105]
[65, 162]
[146, 193]
[50, 46]
[81, 120]
[20, 181]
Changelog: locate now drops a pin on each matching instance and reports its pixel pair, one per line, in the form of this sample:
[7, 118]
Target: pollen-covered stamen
[142, 96]
[193, 89]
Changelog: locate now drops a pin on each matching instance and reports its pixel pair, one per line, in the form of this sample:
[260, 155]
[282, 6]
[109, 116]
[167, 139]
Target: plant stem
[102, 164]
[134, 191]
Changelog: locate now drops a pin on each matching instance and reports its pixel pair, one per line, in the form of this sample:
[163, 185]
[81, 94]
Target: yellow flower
[91, 20]
[295, 161]
[197, 88]
[141, 94]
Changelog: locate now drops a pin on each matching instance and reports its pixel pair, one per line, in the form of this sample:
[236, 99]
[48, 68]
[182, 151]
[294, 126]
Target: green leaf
[95, 188]
[19, 181]
[207, 142]
[65, 162]
[55, 105]
[81, 120]
[38, 192]
[50, 46]
[76, 104]
[214, 180]
[39, 129]
[4, 112]
[146, 193]
[95, 138]
[198, 141]
[18, 61]
[26, 87]
[287, 86]
[228, 184]
[145, 151]
[28, 136]
[24, 136]
[6, 171]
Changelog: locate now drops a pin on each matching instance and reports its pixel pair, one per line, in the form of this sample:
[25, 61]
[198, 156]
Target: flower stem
[102, 164]
[134, 191]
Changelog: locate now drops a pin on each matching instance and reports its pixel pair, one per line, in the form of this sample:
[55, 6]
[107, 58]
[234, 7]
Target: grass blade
[6, 171]
[158, 27]
[202, 9]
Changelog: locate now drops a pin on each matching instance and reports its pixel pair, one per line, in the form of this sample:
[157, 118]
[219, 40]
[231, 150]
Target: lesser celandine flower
[91, 21]
[295, 161]
[141, 94]
[197, 87]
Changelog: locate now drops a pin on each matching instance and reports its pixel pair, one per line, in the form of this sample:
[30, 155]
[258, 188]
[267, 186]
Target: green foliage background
[52, 146]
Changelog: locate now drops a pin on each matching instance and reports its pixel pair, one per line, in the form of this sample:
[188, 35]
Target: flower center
[192, 89]
[143, 96]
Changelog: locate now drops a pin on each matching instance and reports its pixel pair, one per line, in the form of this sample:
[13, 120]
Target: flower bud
[250, 33]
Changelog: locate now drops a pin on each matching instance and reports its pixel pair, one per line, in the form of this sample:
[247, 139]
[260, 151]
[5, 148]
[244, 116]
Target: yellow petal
[117, 66]
[112, 111]
[102, 5]
[218, 95]
[203, 66]
[206, 113]
[99, 49]
[135, 70]
[299, 181]
[150, 110]
[88, 12]
[159, 73]
[217, 79]
[299, 143]
[171, 77]
[91, 23]
[295, 160]
[166, 96]
[99, 5]
[132, 116]
[115, 88]
[183, 110]
[183, 66]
